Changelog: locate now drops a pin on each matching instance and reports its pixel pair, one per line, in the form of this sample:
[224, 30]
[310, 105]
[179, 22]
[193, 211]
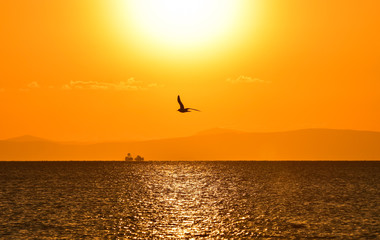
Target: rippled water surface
[190, 200]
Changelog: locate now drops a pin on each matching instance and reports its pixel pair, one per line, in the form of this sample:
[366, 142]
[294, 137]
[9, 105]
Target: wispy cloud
[29, 86]
[33, 85]
[129, 84]
[246, 79]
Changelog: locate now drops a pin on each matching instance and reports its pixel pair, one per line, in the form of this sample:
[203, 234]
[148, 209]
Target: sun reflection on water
[183, 201]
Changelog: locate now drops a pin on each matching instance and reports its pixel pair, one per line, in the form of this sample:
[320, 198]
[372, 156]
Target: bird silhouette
[182, 108]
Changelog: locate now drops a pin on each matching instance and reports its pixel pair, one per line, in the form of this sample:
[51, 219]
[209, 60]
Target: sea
[190, 200]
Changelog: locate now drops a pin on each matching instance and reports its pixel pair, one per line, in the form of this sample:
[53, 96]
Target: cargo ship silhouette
[129, 158]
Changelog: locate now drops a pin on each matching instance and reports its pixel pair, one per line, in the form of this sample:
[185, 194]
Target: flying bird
[182, 108]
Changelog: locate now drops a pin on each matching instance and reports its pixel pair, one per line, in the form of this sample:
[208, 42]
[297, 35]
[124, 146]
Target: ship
[139, 158]
[129, 157]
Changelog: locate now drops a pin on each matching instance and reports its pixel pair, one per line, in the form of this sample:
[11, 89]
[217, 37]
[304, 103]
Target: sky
[111, 70]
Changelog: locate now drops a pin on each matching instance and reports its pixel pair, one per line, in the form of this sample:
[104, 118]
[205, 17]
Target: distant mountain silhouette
[26, 138]
[213, 131]
[214, 144]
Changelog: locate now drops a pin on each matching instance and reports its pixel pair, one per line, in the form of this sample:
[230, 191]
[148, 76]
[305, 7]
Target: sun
[181, 23]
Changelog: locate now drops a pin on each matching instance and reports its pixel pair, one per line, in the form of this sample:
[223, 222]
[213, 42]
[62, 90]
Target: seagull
[182, 108]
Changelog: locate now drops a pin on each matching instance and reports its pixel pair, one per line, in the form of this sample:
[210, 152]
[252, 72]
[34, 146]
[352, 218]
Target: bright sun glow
[182, 23]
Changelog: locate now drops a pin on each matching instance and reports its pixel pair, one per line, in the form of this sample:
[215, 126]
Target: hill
[308, 144]
[26, 138]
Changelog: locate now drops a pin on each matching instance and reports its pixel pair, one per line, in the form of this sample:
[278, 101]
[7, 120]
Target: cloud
[129, 84]
[33, 85]
[246, 79]
[30, 86]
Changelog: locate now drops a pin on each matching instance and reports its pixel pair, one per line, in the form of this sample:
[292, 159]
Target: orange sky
[80, 70]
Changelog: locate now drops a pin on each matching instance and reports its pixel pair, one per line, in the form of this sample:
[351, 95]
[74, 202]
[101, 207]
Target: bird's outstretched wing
[180, 103]
[195, 109]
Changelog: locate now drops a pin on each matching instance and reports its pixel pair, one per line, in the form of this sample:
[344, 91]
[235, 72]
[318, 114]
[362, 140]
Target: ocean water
[190, 200]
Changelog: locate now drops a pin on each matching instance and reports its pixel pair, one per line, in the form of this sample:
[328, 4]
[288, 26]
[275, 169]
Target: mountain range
[213, 144]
